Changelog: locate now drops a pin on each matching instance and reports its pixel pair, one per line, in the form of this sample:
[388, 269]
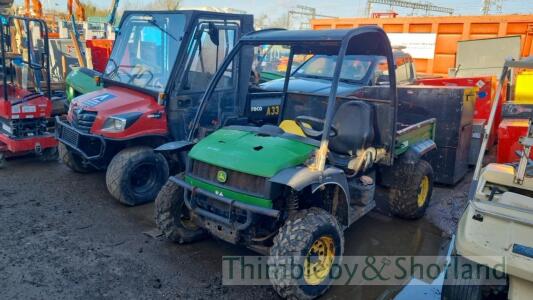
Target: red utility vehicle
[159, 68]
[26, 125]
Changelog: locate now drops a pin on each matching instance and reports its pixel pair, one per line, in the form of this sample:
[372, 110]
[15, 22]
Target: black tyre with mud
[471, 287]
[49, 154]
[73, 160]
[172, 215]
[411, 188]
[135, 175]
[313, 240]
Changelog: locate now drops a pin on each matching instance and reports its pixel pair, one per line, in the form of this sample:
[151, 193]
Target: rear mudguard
[415, 153]
[302, 177]
[418, 150]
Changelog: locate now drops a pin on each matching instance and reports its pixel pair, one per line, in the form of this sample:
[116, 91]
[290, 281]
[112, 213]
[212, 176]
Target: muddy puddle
[95, 246]
[374, 235]
[380, 235]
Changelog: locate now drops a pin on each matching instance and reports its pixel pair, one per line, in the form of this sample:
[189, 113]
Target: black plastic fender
[386, 174]
[177, 146]
[416, 151]
[301, 177]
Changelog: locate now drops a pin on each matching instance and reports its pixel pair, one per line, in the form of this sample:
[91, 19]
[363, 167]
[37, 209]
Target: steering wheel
[155, 82]
[149, 73]
[120, 70]
[142, 71]
[304, 121]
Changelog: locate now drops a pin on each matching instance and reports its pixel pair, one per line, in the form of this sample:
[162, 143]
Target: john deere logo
[222, 176]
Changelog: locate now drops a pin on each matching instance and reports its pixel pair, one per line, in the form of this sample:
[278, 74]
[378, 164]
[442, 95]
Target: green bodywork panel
[250, 153]
[414, 134]
[244, 198]
[265, 156]
[268, 76]
[79, 83]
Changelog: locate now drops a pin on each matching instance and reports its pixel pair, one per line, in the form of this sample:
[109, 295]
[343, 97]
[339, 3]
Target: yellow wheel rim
[423, 191]
[319, 260]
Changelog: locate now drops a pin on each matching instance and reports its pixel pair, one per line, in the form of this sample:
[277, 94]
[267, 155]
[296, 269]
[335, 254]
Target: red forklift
[160, 66]
[26, 124]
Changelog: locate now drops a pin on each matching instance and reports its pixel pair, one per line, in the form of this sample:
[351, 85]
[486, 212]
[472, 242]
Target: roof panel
[282, 35]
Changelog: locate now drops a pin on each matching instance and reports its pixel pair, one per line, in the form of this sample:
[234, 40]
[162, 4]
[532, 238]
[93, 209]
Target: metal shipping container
[449, 31]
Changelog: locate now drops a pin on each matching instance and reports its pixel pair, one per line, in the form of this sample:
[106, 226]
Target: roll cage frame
[340, 39]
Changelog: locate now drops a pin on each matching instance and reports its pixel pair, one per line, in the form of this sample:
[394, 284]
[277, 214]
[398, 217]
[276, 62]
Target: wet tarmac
[64, 237]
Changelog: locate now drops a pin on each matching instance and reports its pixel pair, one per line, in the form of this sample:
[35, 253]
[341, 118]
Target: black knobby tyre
[49, 154]
[472, 287]
[73, 160]
[411, 189]
[172, 218]
[461, 289]
[293, 243]
[135, 175]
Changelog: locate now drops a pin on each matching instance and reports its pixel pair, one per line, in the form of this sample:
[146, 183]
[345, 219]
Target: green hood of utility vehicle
[250, 153]
[78, 82]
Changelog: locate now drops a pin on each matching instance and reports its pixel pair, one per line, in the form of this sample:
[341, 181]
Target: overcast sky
[340, 8]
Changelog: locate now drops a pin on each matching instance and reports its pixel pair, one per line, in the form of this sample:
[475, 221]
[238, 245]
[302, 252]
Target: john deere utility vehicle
[289, 189]
[159, 68]
[497, 226]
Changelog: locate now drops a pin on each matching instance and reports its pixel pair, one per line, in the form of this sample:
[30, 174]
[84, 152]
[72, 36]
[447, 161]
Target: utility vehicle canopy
[232, 93]
[150, 44]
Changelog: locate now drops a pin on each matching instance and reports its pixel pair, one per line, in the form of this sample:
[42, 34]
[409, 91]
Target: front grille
[83, 120]
[220, 208]
[69, 136]
[234, 180]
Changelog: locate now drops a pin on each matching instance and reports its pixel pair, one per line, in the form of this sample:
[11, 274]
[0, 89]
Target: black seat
[354, 121]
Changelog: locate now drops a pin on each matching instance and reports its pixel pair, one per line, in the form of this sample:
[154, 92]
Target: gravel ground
[62, 236]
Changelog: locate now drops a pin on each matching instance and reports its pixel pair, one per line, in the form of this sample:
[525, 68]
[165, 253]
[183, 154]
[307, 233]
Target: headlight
[120, 122]
[115, 124]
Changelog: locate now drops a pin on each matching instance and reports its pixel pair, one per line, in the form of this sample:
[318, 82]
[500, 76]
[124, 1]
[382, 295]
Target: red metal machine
[509, 133]
[25, 103]
[100, 52]
[515, 114]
